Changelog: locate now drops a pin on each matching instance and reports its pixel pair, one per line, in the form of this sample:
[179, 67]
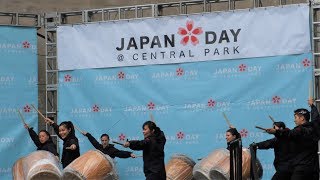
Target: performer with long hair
[66, 133]
[153, 151]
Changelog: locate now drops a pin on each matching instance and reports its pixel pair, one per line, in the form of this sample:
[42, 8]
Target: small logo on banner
[7, 142]
[7, 81]
[244, 133]
[189, 34]
[91, 111]
[178, 74]
[144, 109]
[23, 47]
[32, 80]
[70, 80]
[122, 137]
[121, 78]
[134, 171]
[303, 66]
[26, 108]
[210, 105]
[237, 71]
[5, 170]
[182, 137]
[275, 101]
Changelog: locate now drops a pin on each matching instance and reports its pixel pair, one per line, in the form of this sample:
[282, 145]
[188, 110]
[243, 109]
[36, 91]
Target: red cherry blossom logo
[306, 62]
[211, 103]
[122, 137]
[180, 135]
[95, 108]
[67, 78]
[242, 67]
[276, 99]
[179, 72]
[121, 75]
[151, 105]
[244, 133]
[27, 108]
[26, 44]
[189, 34]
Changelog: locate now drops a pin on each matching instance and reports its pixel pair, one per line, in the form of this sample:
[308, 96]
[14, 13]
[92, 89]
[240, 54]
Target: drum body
[91, 165]
[216, 160]
[179, 167]
[217, 166]
[37, 166]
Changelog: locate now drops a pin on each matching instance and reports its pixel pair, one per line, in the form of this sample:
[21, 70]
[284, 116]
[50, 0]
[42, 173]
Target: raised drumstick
[272, 119]
[23, 121]
[78, 129]
[38, 111]
[227, 120]
[151, 118]
[310, 90]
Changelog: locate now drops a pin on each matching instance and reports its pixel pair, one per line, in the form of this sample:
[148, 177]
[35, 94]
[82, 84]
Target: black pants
[296, 175]
[282, 175]
[156, 176]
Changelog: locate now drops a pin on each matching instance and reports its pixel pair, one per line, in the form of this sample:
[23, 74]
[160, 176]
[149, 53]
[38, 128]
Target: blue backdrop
[18, 90]
[187, 101]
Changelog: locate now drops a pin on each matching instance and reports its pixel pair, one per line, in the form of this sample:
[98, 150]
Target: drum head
[217, 175]
[46, 175]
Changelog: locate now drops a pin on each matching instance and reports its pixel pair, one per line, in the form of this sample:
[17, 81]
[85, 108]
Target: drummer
[107, 148]
[304, 163]
[65, 131]
[282, 153]
[43, 140]
[153, 151]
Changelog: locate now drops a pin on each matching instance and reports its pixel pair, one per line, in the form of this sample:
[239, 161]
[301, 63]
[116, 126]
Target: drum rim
[73, 172]
[185, 157]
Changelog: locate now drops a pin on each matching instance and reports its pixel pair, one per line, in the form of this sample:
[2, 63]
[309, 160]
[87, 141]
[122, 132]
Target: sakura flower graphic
[190, 33]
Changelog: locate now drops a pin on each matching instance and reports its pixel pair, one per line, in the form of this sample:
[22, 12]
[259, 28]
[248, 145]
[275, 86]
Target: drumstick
[78, 129]
[258, 127]
[139, 156]
[227, 120]
[310, 90]
[38, 111]
[151, 118]
[272, 119]
[23, 121]
[116, 142]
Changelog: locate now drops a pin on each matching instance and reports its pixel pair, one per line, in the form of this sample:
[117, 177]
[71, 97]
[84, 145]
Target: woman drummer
[43, 140]
[153, 151]
[65, 131]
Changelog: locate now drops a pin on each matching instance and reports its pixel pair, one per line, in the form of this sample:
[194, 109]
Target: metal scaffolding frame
[20, 19]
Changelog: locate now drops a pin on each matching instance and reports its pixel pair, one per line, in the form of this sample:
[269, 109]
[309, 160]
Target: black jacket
[47, 146]
[153, 154]
[282, 152]
[315, 120]
[304, 147]
[68, 155]
[109, 150]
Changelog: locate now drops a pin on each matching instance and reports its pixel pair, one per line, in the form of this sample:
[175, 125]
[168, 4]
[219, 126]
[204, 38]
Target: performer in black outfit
[282, 153]
[107, 148]
[65, 131]
[153, 151]
[43, 141]
[303, 165]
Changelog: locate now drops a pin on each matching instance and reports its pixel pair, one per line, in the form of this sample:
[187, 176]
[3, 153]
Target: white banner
[259, 32]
